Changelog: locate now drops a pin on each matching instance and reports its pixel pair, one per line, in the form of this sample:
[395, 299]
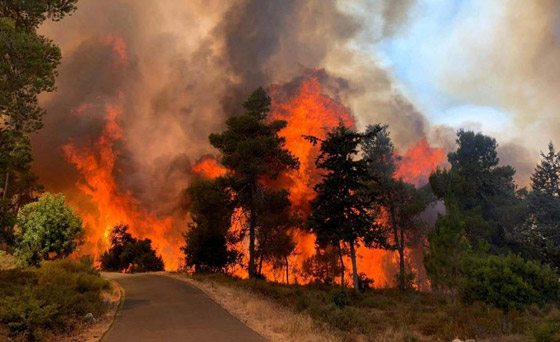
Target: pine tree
[252, 149]
[397, 204]
[340, 211]
[546, 177]
[446, 249]
[208, 241]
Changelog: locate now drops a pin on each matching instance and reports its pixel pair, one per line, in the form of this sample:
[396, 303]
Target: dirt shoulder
[274, 322]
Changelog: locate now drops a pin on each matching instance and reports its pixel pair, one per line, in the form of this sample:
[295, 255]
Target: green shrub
[546, 332]
[340, 297]
[26, 314]
[49, 229]
[508, 282]
[49, 297]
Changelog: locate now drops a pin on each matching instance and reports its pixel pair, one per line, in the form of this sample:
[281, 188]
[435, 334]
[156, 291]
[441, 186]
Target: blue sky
[417, 54]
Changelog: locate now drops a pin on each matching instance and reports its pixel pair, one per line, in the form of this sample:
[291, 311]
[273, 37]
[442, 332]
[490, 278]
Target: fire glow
[109, 205]
[307, 111]
[310, 112]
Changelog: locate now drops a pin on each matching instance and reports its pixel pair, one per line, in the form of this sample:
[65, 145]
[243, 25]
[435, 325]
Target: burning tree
[252, 149]
[276, 243]
[396, 203]
[341, 214]
[207, 243]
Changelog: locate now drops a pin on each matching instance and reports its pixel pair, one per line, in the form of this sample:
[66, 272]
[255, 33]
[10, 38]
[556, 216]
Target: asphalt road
[163, 309]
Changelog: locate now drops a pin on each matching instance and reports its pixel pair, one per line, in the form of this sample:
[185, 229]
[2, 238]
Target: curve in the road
[158, 308]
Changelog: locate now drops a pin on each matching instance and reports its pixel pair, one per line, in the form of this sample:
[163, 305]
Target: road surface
[158, 308]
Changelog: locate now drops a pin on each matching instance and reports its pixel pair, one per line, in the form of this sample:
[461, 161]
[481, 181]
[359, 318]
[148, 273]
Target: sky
[452, 58]
[421, 52]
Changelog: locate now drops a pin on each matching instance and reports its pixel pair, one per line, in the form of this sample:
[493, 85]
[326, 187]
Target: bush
[340, 297]
[49, 229]
[50, 296]
[508, 282]
[26, 314]
[127, 251]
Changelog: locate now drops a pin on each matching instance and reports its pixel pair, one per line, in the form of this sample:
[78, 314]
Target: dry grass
[274, 322]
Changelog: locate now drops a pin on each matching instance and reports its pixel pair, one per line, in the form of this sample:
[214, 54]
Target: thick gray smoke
[178, 69]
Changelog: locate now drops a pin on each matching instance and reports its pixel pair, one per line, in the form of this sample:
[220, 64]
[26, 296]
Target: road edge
[117, 310]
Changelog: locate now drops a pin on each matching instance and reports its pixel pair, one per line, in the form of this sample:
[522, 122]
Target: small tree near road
[47, 229]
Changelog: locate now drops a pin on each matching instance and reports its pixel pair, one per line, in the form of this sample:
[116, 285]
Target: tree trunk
[5, 192]
[252, 228]
[287, 270]
[259, 270]
[398, 245]
[401, 261]
[341, 265]
[354, 267]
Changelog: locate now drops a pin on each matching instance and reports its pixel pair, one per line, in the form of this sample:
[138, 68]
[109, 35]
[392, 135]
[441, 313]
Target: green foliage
[250, 146]
[546, 178]
[29, 14]
[340, 297]
[252, 149]
[274, 222]
[207, 243]
[483, 191]
[340, 211]
[47, 298]
[26, 314]
[398, 205]
[548, 331]
[18, 184]
[28, 65]
[508, 282]
[537, 237]
[49, 229]
[127, 251]
[446, 250]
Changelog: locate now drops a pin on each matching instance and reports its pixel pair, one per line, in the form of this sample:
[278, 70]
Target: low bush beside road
[50, 299]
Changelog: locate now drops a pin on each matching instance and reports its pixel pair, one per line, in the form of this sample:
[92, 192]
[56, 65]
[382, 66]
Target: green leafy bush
[49, 297]
[508, 282]
[49, 229]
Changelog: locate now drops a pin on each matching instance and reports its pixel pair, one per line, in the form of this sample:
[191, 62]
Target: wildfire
[108, 205]
[419, 161]
[309, 112]
[209, 168]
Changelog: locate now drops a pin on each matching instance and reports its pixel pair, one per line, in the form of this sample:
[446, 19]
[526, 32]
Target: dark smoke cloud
[188, 65]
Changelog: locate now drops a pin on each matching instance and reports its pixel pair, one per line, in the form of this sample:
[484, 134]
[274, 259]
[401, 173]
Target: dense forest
[494, 242]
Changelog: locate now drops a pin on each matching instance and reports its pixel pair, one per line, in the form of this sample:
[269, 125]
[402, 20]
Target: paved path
[158, 308]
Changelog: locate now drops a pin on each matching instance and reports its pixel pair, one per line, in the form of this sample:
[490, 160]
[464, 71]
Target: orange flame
[419, 161]
[209, 168]
[310, 112]
[108, 205]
